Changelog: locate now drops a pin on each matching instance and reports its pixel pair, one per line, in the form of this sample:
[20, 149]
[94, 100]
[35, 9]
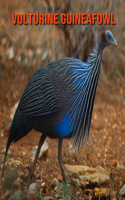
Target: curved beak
[115, 43]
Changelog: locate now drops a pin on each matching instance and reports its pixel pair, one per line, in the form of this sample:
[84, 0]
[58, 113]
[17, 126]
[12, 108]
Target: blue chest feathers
[64, 128]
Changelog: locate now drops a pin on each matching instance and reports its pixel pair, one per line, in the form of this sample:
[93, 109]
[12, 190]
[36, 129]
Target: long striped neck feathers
[82, 105]
[95, 57]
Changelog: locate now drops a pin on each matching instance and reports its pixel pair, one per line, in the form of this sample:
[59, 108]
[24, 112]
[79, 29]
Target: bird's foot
[67, 193]
[74, 198]
[70, 197]
[31, 173]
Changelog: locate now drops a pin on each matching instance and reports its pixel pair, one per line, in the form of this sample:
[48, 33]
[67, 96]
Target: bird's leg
[67, 193]
[42, 139]
[61, 165]
[60, 159]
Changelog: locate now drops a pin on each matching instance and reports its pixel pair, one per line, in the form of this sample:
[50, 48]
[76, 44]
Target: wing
[39, 97]
[50, 89]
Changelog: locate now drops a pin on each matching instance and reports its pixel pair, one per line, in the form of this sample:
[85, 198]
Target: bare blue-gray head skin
[106, 39]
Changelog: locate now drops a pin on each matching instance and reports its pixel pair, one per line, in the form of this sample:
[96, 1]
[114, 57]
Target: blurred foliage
[33, 46]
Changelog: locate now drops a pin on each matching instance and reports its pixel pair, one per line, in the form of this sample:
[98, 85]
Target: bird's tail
[20, 127]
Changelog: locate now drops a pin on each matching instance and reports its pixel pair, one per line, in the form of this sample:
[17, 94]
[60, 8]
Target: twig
[112, 97]
[8, 33]
[120, 76]
[80, 46]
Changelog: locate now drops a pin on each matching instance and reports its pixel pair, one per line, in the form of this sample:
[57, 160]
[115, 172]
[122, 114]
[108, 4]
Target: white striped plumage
[83, 108]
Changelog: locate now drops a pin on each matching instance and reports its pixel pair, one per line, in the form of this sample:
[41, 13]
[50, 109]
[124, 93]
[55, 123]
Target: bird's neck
[101, 46]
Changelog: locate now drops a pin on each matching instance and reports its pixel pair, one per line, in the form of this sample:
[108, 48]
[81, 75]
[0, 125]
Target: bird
[58, 102]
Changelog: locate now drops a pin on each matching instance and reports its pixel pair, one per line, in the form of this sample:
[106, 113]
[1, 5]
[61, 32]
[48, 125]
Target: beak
[115, 43]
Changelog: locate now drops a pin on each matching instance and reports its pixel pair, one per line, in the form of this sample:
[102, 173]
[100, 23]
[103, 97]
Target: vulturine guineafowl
[58, 101]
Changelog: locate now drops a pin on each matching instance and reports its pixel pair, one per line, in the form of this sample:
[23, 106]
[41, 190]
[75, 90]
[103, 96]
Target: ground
[105, 147]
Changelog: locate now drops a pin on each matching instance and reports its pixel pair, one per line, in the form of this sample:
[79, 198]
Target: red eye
[109, 36]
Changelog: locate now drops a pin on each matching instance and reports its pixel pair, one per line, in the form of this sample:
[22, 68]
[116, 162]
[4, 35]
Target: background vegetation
[36, 45]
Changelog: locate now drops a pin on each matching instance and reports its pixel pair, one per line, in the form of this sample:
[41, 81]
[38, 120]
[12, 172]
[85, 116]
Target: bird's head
[108, 38]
